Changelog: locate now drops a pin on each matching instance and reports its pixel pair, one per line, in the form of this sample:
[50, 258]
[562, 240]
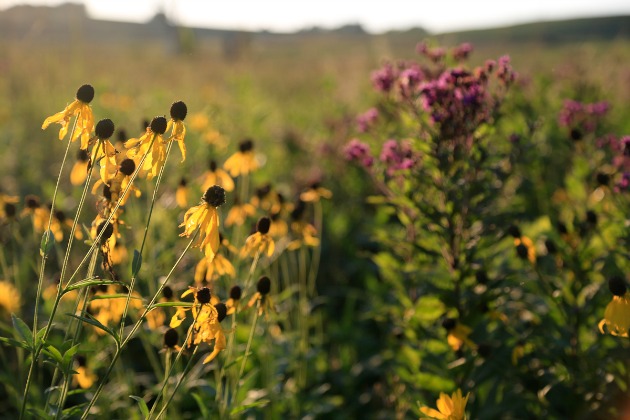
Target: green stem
[144, 238]
[42, 270]
[66, 384]
[249, 344]
[179, 382]
[134, 329]
[317, 252]
[167, 373]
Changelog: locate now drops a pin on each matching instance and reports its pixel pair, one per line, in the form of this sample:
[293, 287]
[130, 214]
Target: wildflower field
[325, 227]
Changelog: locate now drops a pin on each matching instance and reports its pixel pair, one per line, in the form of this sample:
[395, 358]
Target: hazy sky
[375, 16]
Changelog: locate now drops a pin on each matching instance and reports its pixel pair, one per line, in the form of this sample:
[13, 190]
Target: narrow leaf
[97, 324]
[201, 404]
[54, 353]
[171, 304]
[143, 405]
[23, 330]
[94, 281]
[14, 343]
[47, 243]
[136, 263]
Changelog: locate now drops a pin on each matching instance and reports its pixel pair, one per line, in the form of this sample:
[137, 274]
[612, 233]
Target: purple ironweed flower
[358, 151]
[461, 52]
[409, 80]
[597, 108]
[583, 117]
[505, 73]
[624, 182]
[383, 79]
[367, 119]
[398, 156]
[433, 54]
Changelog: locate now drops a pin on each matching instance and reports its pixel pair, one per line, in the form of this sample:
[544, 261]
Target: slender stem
[42, 270]
[134, 329]
[66, 384]
[113, 211]
[249, 344]
[317, 252]
[179, 382]
[50, 217]
[144, 238]
[170, 369]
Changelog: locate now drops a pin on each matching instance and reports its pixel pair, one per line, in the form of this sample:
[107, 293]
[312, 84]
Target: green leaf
[73, 411]
[143, 405]
[93, 281]
[23, 330]
[136, 263]
[113, 296]
[69, 354]
[201, 404]
[54, 353]
[171, 304]
[39, 337]
[97, 324]
[259, 403]
[47, 243]
[14, 343]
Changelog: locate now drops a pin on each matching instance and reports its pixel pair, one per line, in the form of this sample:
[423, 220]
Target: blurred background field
[296, 95]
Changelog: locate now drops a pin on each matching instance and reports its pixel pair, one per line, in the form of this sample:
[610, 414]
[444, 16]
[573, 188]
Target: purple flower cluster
[580, 116]
[620, 148]
[434, 54]
[461, 52]
[398, 156]
[360, 152]
[457, 102]
[383, 79]
[367, 119]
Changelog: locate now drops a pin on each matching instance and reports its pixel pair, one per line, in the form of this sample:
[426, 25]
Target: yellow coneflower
[177, 127]
[457, 334]
[234, 301]
[171, 338]
[266, 199]
[207, 317]
[8, 209]
[617, 314]
[9, 298]
[40, 213]
[157, 316]
[206, 218]
[525, 249]
[109, 311]
[81, 108]
[209, 268]
[58, 222]
[279, 227]
[243, 161]
[239, 212]
[304, 232]
[306, 235]
[260, 241]
[451, 407]
[181, 194]
[216, 176]
[80, 168]
[104, 153]
[84, 378]
[119, 254]
[157, 155]
[119, 181]
[108, 238]
[263, 287]
[314, 193]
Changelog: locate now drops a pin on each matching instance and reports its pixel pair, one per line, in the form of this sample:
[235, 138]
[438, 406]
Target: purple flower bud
[358, 151]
